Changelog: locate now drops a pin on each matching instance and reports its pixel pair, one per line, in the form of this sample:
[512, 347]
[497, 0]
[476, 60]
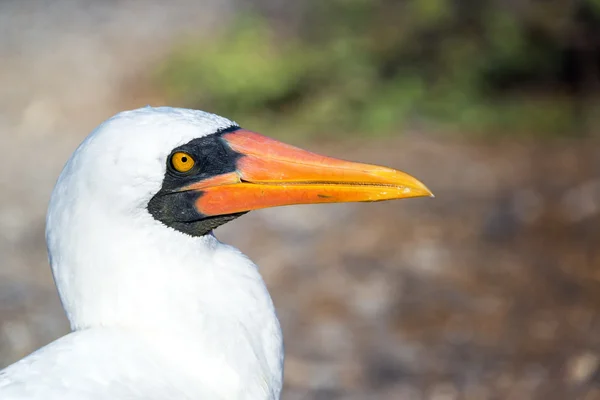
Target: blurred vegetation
[342, 66]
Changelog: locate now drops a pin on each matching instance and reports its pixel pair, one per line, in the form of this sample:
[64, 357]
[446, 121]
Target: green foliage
[242, 70]
[379, 66]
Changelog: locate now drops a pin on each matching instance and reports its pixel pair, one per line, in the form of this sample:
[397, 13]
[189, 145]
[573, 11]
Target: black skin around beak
[214, 179]
[174, 207]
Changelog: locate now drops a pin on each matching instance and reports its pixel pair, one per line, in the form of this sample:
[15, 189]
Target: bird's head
[194, 171]
[165, 177]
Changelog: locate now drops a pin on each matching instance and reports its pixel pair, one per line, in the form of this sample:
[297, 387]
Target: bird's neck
[192, 297]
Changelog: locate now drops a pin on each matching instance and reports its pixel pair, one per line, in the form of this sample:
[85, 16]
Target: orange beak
[270, 174]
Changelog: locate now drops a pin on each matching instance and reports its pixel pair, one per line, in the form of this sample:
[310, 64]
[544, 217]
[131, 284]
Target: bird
[158, 307]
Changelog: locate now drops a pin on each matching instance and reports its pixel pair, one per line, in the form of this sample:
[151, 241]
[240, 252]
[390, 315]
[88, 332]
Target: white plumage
[156, 314]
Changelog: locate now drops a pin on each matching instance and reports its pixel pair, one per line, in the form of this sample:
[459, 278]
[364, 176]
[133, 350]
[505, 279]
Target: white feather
[155, 313]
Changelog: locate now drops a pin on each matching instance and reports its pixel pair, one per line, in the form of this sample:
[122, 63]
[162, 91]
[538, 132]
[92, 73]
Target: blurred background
[490, 291]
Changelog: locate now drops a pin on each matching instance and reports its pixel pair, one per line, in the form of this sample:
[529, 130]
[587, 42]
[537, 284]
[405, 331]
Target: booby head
[149, 179]
[211, 171]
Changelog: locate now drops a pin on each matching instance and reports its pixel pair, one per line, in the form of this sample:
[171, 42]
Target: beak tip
[423, 190]
[429, 192]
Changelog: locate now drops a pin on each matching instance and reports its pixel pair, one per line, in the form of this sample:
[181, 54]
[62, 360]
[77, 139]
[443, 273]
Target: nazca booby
[159, 308]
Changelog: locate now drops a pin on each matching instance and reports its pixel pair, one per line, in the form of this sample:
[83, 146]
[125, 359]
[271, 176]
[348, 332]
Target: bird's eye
[182, 162]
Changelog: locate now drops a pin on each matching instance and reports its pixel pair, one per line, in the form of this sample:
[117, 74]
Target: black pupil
[184, 159]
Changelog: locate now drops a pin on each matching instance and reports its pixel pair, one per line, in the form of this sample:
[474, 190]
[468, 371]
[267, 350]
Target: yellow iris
[182, 162]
